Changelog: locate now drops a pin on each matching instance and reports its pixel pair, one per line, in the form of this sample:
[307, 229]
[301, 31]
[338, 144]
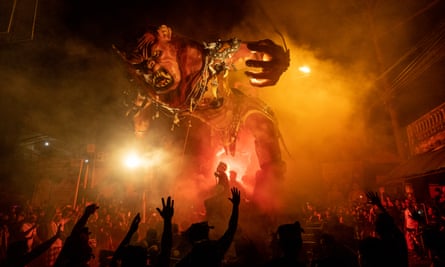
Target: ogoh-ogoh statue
[185, 78]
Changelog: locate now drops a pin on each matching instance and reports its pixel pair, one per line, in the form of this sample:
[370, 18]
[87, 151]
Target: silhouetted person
[18, 255]
[136, 256]
[76, 250]
[221, 175]
[290, 243]
[394, 244]
[206, 252]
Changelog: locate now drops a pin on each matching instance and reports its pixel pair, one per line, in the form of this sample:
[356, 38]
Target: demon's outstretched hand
[273, 64]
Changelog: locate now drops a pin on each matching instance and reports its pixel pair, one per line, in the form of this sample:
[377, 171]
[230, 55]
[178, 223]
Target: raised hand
[236, 196]
[90, 209]
[167, 209]
[135, 223]
[271, 69]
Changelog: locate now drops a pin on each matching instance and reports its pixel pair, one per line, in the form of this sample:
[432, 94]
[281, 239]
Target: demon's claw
[272, 69]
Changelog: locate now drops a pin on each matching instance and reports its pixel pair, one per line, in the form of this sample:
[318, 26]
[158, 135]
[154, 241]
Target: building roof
[420, 165]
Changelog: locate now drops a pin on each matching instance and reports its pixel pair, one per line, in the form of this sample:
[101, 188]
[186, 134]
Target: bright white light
[256, 81]
[132, 161]
[46, 143]
[221, 152]
[304, 69]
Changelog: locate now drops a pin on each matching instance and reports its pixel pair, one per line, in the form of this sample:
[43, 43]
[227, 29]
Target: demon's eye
[156, 54]
[150, 64]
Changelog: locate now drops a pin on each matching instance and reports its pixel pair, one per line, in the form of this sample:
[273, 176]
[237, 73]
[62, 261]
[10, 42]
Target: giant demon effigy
[185, 78]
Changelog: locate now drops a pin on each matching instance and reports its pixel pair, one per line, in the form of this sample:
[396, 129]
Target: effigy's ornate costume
[183, 78]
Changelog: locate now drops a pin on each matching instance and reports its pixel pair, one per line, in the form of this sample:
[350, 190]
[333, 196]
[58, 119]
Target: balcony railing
[428, 132]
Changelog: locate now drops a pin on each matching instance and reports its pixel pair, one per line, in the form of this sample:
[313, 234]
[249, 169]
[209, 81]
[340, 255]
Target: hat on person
[290, 233]
[290, 229]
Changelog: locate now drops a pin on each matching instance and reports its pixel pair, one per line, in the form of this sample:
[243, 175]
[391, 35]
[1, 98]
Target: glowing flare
[132, 161]
[304, 69]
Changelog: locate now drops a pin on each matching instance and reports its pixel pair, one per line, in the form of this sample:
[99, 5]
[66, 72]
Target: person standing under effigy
[222, 178]
[217, 208]
[234, 182]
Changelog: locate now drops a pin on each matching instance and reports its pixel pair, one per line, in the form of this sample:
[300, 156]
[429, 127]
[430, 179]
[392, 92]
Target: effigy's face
[163, 72]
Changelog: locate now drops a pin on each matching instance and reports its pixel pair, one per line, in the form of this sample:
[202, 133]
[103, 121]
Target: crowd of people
[376, 230]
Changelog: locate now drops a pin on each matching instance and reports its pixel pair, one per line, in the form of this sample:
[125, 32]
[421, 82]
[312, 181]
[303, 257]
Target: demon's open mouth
[159, 80]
